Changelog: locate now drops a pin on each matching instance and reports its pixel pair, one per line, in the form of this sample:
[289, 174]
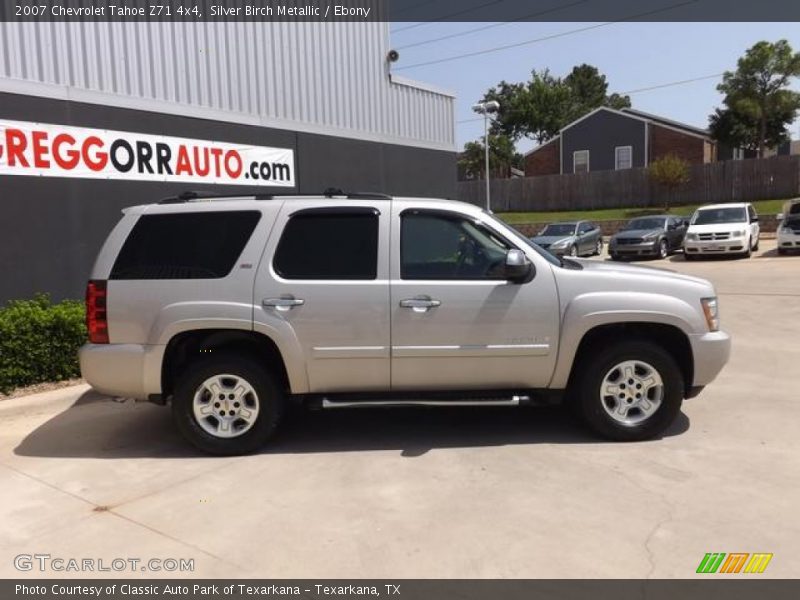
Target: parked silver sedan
[578, 238]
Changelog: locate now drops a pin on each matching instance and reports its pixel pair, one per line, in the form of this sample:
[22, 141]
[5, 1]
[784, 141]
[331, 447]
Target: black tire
[783, 251]
[269, 395]
[663, 249]
[616, 257]
[592, 371]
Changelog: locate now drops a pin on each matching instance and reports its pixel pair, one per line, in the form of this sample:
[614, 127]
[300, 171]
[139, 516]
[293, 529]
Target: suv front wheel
[227, 405]
[631, 391]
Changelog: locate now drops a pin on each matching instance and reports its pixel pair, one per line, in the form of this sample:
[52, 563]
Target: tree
[670, 172]
[501, 155]
[542, 106]
[759, 104]
[740, 130]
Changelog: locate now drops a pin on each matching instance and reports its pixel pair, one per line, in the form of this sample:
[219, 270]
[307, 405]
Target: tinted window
[585, 228]
[710, 216]
[646, 223]
[185, 245]
[436, 246]
[326, 245]
[559, 229]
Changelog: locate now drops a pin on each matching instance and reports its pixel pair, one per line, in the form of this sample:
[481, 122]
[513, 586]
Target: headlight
[739, 233]
[691, 237]
[711, 312]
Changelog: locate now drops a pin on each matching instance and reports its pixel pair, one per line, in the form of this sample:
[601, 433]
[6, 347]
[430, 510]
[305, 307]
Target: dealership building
[95, 117]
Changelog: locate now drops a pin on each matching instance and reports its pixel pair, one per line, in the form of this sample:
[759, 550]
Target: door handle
[420, 304]
[283, 304]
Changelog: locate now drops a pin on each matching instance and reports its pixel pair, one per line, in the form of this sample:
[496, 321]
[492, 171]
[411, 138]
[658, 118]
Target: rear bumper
[711, 352]
[125, 370]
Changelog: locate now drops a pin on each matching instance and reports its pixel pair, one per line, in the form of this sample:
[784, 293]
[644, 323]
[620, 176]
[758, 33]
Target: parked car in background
[789, 227]
[654, 236]
[722, 229]
[579, 238]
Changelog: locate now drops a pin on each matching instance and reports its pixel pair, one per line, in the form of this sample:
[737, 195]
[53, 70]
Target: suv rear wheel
[227, 405]
[632, 391]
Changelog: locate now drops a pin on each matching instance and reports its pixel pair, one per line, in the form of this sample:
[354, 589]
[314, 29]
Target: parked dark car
[579, 238]
[648, 237]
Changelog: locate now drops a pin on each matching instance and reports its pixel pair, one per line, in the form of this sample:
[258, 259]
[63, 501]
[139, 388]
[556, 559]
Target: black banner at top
[399, 10]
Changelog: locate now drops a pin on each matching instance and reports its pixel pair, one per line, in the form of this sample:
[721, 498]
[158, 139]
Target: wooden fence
[728, 181]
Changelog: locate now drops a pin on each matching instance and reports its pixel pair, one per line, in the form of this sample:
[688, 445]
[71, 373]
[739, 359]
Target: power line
[663, 85]
[629, 92]
[491, 26]
[541, 39]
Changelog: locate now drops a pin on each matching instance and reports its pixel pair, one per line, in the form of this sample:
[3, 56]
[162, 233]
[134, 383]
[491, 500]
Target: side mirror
[518, 269]
[779, 216]
[754, 219]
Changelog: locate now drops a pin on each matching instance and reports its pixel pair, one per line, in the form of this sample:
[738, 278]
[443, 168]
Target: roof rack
[189, 196]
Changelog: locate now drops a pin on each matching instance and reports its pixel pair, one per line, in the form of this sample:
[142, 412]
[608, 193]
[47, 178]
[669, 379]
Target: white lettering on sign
[39, 149]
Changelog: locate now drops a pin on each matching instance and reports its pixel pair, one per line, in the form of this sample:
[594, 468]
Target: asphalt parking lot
[511, 493]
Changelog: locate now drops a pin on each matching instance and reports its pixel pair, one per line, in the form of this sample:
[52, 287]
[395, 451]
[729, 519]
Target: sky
[631, 55]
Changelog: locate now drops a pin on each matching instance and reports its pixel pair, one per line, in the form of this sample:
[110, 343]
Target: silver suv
[228, 308]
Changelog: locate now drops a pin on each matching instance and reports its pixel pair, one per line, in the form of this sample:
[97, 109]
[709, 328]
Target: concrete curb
[24, 404]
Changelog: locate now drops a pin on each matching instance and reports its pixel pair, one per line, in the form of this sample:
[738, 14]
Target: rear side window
[319, 244]
[203, 245]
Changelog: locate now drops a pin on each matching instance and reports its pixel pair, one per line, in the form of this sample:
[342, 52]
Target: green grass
[763, 207]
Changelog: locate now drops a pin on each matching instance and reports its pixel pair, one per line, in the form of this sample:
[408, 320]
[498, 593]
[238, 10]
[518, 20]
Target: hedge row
[39, 341]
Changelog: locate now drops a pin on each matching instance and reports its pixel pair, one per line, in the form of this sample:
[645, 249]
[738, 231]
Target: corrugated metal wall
[327, 78]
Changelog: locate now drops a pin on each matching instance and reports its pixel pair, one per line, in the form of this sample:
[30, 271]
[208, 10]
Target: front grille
[711, 237]
[629, 241]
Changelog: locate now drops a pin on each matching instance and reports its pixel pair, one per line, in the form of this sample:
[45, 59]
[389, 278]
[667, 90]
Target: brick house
[608, 139]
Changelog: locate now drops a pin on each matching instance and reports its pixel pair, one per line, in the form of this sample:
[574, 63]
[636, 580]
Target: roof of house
[665, 121]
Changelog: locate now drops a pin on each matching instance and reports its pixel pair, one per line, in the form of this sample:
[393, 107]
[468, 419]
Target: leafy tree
[759, 104]
[501, 155]
[670, 172]
[542, 106]
[740, 130]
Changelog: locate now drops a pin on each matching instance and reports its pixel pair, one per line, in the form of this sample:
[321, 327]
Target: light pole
[485, 108]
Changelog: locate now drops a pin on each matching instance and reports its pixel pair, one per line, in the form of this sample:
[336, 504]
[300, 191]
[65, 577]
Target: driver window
[438, 246]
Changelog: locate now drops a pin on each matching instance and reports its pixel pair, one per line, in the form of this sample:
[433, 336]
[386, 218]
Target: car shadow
[95, 427]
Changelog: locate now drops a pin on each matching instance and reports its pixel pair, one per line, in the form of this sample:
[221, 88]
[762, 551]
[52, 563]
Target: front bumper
[643, 249]
[711, 352]
[731, 246]
[123, 370]
[788, 241]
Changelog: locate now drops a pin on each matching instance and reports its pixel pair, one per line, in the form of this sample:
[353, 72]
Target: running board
[512, 401]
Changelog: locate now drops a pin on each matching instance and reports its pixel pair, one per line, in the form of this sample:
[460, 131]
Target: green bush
[39, 341]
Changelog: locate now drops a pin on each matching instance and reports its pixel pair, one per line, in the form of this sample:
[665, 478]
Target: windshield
[650, 223]
[709, 216]
[515, 235]
[559, 229]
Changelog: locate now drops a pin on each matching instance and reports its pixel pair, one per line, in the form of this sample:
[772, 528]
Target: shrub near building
[39, 341]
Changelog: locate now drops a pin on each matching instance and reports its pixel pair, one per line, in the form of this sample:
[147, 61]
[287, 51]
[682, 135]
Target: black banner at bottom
[405, 589]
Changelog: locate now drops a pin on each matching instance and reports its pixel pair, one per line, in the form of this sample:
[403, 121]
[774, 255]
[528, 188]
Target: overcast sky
[631, 55]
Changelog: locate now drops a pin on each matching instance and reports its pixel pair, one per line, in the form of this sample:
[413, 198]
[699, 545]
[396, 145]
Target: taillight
[96, 315]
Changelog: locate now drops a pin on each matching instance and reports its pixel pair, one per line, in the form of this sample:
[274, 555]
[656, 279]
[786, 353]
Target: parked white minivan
[722, 229]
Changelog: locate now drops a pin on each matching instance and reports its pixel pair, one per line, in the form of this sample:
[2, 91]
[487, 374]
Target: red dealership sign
[46, 150]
